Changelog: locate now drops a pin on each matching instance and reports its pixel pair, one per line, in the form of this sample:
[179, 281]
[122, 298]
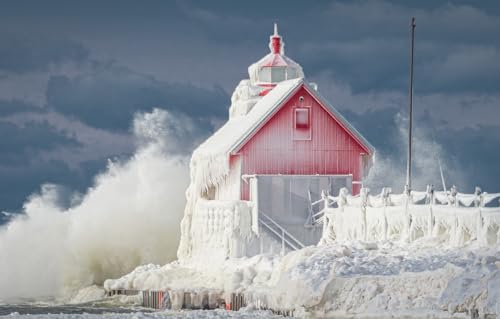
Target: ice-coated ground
[349, 278]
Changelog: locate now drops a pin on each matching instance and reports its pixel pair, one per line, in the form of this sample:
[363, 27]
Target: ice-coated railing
[452, 217]
[286, 239]
[218, 227]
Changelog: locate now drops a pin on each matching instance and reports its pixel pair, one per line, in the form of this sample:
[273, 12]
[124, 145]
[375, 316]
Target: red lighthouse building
[282, 145]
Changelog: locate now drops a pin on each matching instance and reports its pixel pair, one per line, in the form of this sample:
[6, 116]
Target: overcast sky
[72, 74]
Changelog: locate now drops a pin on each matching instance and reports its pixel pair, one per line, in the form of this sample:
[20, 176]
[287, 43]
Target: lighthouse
[283, 145]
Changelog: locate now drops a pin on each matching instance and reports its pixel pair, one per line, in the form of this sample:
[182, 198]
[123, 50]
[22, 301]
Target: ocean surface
[25, 309]
[32, 311]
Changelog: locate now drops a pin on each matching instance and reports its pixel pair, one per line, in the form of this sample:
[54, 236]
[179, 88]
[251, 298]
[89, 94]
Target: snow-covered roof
[274, 59]
[212, 156]
[343, 121]
[236, 129]
[276, 102]
[210, 161]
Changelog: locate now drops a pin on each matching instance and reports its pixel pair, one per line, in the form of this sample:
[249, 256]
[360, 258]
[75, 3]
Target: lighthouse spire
[276, 43]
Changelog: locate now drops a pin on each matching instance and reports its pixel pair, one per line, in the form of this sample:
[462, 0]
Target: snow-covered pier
[204, 299]
[122, 292]
[178, 299]
[453, 217]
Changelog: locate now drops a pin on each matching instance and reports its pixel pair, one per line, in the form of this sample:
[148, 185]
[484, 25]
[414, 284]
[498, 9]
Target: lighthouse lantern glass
[265, 75]
[275, 74]
[278, 74]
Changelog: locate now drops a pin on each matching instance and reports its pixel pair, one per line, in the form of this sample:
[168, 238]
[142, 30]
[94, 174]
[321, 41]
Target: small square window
[302, 118]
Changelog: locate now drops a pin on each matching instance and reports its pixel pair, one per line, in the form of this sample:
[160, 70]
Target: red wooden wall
[272, 150]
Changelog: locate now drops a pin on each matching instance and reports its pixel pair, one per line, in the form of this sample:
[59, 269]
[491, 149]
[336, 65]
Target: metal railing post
[477, 193]
[282, 242]
[453, 194]
[324, 195]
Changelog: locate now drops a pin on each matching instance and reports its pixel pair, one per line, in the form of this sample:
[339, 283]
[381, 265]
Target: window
[265, 75]
[277, 74]
[302, 118]
[301, 123]
[272, 74]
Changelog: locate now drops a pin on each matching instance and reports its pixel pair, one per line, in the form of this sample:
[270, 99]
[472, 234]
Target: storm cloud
[74, 75]
[108, 96]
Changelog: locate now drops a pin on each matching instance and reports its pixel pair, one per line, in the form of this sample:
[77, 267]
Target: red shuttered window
[301, 123]
[302, 118]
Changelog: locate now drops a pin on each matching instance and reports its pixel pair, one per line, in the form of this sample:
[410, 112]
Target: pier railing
[450, 216]
[287, 240]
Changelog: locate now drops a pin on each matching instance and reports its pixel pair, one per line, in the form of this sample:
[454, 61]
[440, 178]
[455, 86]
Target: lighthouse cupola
[275, 67]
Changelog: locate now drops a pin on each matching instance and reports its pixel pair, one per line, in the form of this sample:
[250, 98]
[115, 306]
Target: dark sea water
[24, 309]
[29, 311]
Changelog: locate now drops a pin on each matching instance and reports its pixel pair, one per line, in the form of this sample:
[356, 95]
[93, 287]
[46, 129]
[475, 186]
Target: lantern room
[275, 67]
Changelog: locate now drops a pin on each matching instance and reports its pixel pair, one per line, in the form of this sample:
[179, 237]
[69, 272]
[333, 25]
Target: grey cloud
[21, 53]
[368, 64]
[456, 47]
[361, 44]
[477, 151]
[21, 145]
[108, 96]
[469, 156]
[45, 146]
[9, 107]
[22, 168]
[379, 126]
[19, 181]
[440, 22]
[383, 64]
[464, 69]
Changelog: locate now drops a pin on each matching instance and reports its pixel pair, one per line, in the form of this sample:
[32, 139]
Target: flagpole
[410, 111]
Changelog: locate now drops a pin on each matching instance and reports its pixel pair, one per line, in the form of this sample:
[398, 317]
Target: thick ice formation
[455, 219]
[244, 97]
[407, 262]
[222, 228]
[353, 277]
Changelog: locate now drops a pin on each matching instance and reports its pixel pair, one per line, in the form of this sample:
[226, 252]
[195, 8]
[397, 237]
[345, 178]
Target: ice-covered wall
[220, 229]
[449, 217]
[224, 229]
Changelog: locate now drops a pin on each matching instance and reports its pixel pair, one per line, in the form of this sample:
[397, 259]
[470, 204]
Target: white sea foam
[129, 217]
[427, 156]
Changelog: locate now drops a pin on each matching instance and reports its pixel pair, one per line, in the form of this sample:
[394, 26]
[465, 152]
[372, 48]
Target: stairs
[278, 232]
